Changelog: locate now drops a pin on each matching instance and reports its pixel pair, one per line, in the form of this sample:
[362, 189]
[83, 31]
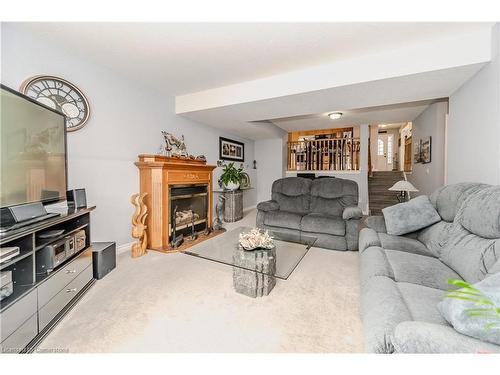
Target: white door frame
[383, 153]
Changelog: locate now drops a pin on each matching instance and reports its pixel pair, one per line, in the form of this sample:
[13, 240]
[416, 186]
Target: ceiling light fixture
[335, 115]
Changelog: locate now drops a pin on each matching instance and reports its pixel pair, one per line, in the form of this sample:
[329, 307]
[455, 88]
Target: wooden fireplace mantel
[157, 173]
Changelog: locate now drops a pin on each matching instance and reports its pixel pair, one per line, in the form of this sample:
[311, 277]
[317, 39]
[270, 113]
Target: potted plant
[231, 176]
[485, 309]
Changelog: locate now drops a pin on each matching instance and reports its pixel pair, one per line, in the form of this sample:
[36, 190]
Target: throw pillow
[455, 312]
[410, 216]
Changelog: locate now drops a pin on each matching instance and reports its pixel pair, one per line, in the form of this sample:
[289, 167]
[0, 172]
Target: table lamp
[404, 187]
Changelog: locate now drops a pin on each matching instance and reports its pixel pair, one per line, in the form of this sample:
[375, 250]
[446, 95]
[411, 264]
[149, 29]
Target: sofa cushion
[471, 256]
[402, 243]
[424, 337]
[374, 262]
[422, 302]
[410, 216]
[420, 269]
[377, 223]
[329, 196]
[448, 199]
[319, 223]
[328, 241]
[283, 219]
[495, 268]
[455, 312]
[435, 237]
[292, 186]
[481, 213]
[292, 194]
[382, 309]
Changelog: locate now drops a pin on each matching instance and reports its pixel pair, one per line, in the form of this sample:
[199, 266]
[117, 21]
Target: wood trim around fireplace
[156, 174]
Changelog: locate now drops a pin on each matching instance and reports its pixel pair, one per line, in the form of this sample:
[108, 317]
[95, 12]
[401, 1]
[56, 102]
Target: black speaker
[76, 198]
[103, 258]
[16, 214]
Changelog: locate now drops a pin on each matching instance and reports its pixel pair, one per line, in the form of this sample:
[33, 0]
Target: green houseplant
[231, 176]
[485, 307]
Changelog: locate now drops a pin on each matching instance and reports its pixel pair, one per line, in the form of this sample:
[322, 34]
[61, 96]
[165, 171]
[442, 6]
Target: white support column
[364, 135]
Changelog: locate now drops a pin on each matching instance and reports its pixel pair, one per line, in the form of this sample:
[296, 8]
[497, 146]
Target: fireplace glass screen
[188, 209]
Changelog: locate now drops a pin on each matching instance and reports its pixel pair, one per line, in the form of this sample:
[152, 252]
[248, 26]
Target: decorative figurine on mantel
[138, 225]
[174, 146]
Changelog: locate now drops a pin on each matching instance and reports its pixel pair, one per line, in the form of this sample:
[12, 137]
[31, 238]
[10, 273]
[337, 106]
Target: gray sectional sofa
[326, 208]
[403, 278]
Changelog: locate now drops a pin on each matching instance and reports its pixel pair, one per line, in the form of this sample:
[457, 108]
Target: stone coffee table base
[256, 283]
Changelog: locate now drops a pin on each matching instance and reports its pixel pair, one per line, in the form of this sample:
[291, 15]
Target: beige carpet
[178, 303]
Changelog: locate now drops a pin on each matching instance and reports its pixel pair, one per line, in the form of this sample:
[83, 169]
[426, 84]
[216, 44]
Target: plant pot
[232, 186]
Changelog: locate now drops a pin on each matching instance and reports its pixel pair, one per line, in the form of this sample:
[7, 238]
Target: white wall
[428, 177]
[364, 136]
[271, 165]
[126, 120]
[474, 125]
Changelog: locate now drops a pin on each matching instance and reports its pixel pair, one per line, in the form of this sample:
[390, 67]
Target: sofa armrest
[424, 337]
[352, 212]
[268, 206]
[368, 238]
[377, 223]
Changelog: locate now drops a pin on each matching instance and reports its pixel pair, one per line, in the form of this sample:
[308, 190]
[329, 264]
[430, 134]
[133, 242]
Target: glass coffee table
[255, 272]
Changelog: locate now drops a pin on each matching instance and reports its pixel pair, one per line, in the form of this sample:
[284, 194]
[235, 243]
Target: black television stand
[35, 220]
[36, 300]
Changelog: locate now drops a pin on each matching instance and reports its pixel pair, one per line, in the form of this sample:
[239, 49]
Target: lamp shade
[403, 185]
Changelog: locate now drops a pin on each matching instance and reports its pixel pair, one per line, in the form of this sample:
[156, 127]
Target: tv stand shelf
[39, 300]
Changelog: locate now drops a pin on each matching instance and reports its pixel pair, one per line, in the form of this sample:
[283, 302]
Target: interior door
[408, 154]
[382, 153]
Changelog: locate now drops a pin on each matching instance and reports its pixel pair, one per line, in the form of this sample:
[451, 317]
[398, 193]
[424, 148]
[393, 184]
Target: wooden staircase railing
[333, 154]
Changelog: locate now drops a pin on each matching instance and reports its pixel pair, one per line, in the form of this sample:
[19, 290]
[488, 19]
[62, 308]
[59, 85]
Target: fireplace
[188, 209]
[174, 182]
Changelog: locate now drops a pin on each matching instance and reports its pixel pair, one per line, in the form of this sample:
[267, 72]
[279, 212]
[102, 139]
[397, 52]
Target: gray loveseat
[403, 278]
[326, 208]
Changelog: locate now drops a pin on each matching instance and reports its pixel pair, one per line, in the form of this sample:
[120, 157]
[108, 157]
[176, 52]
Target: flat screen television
[33, 151]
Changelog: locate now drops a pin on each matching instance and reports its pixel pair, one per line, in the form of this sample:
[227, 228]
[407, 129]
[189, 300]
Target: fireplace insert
[188, 209]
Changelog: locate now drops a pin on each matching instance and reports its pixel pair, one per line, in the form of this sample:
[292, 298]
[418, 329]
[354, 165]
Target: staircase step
[378, 193]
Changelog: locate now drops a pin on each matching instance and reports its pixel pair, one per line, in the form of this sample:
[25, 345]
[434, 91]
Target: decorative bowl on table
[256, 239]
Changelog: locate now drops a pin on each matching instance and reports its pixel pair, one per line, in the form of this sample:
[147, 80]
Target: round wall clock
[61, 95]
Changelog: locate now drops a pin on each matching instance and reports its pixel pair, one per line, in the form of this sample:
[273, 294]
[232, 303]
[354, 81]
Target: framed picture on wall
[426, 150]
[417, 156]
[231, 150]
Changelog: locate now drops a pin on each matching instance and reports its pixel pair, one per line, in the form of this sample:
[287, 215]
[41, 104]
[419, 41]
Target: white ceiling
[179, 58]
[391, 114]
[254, 120]
[392, 126]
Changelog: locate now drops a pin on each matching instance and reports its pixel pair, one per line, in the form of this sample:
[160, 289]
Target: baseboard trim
[249, 208]
[123, 248]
